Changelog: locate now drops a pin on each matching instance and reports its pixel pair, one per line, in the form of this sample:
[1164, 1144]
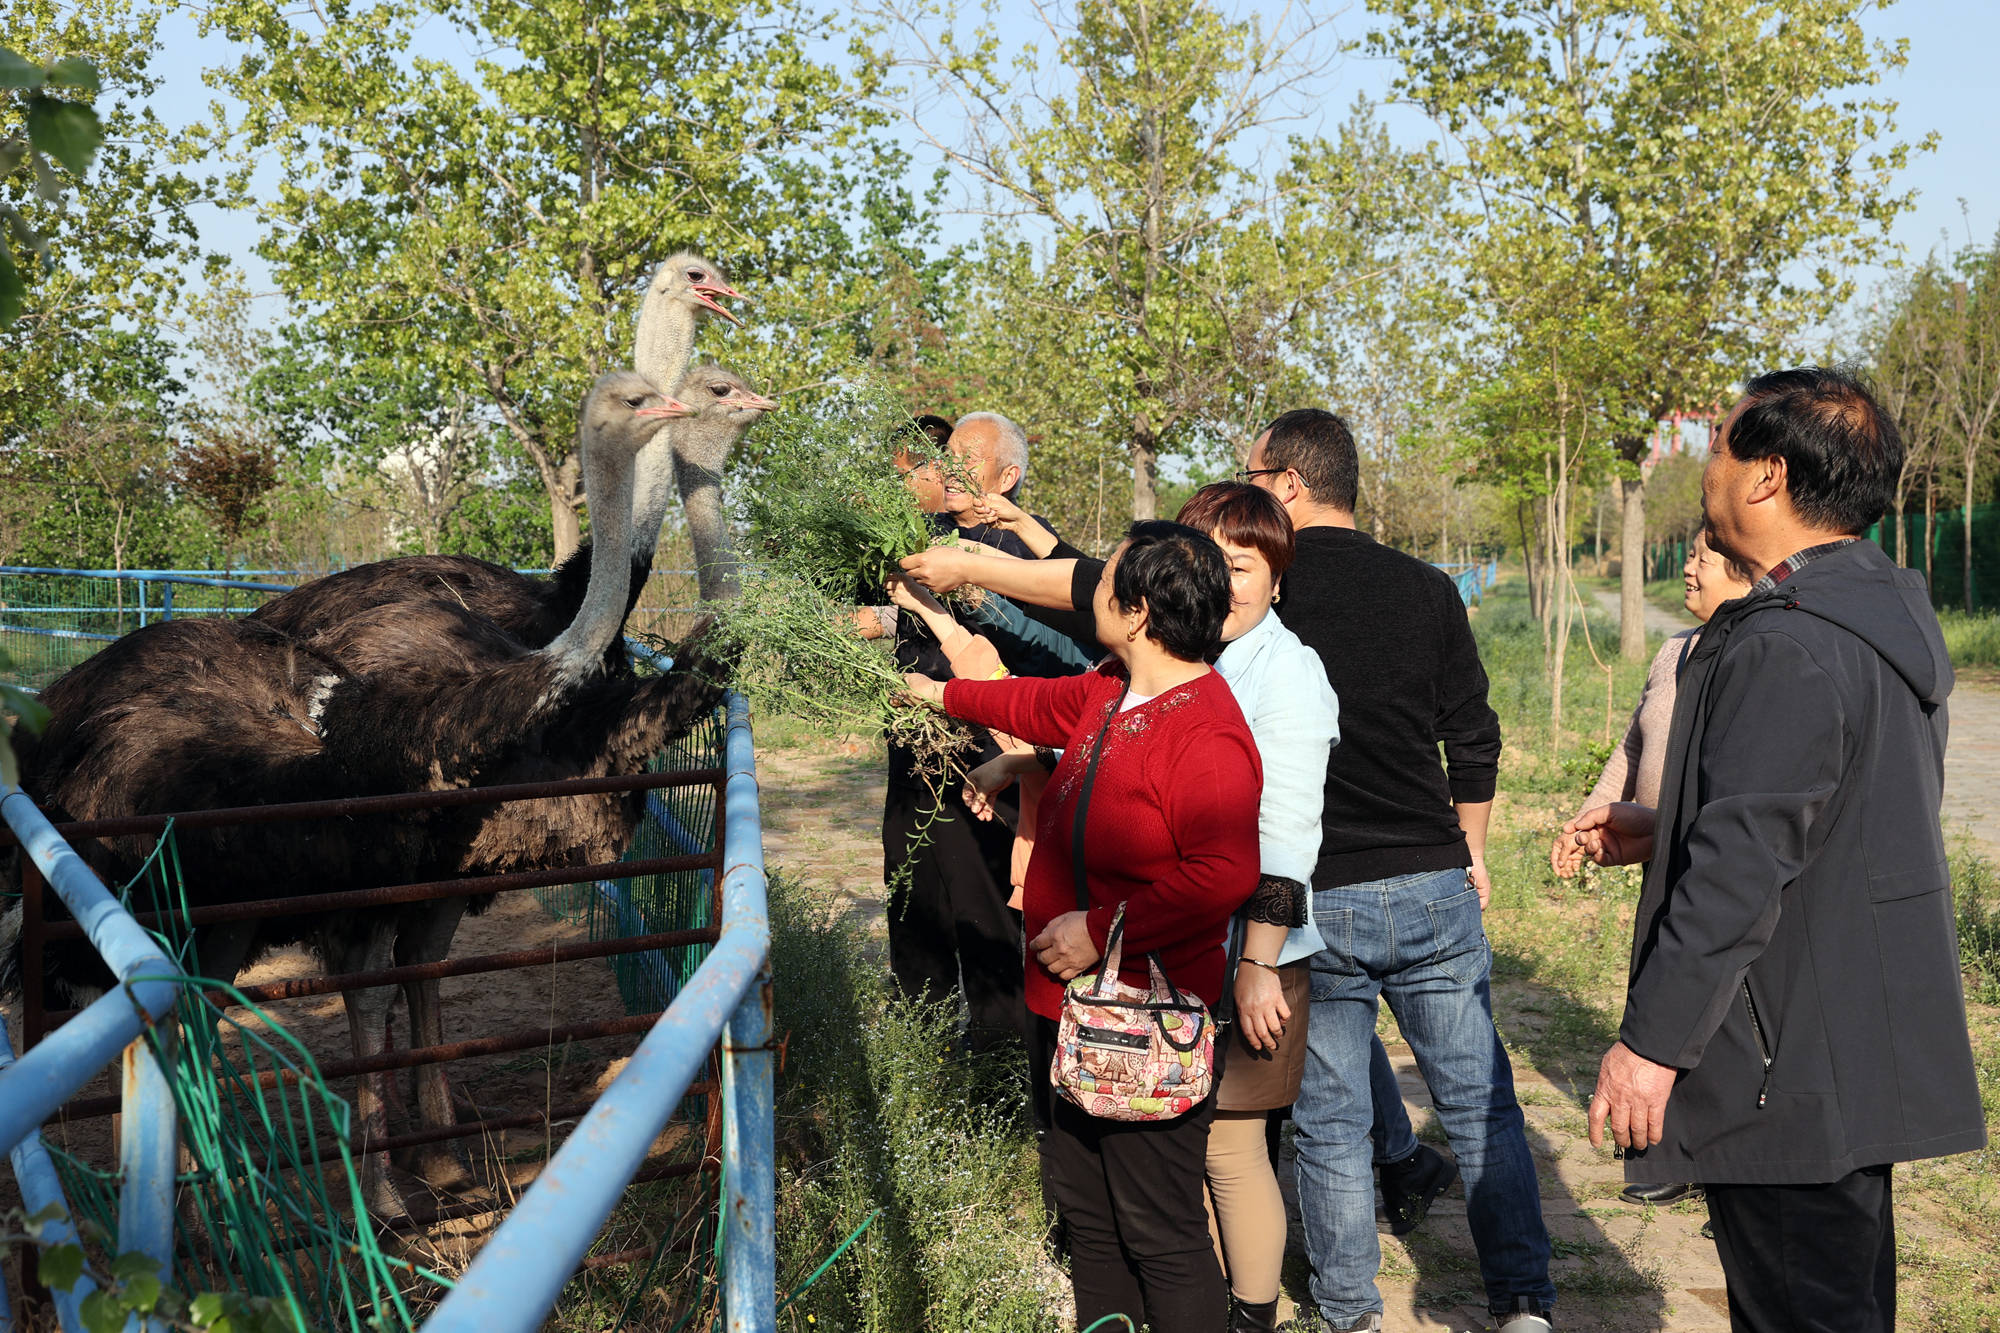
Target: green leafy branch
[134, 1285]
[28, 713]
[56, 128]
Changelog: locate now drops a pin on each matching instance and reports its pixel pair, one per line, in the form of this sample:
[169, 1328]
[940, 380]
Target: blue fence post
[142, 603]
[148, 1156]
[750, 1257]
[166, 601]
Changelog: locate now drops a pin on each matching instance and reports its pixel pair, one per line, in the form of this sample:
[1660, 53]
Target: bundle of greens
[831, 506]
[797, 650]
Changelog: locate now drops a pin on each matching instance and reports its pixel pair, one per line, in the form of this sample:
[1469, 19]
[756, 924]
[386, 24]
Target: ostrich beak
[756, 402]
[670, 409]
[706, 292]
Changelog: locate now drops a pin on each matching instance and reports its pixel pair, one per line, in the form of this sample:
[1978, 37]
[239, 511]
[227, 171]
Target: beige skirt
[1266, 1080]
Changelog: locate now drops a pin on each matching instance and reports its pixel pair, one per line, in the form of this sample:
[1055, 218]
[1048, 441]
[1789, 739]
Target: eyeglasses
[1243, 474]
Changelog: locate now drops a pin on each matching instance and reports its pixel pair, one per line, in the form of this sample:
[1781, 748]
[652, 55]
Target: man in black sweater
[1399, 890]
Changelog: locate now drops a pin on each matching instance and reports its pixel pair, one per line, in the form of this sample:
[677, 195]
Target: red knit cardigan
[1172, 826]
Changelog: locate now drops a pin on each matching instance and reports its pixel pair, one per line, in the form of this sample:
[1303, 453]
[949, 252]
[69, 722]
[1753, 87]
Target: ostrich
[683, 290]
[724, 406]
[233, 714]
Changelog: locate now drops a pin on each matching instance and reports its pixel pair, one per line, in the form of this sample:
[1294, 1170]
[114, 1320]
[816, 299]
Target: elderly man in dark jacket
[1794, 1022]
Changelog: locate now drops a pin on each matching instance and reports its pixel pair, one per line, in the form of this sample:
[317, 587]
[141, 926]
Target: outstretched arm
[1040, 582]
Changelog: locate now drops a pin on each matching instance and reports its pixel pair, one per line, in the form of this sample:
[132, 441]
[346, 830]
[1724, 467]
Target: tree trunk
[1531, 542]
[1971, 459]
[1145, 473]
[1632, 576]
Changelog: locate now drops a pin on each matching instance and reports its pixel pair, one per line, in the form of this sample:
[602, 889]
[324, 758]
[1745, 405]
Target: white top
[1281, 686]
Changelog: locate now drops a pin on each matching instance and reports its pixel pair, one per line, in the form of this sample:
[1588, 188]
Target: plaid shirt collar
[1793, 563]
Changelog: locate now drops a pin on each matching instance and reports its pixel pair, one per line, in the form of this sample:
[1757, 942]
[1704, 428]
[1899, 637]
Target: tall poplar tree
[1713, 169]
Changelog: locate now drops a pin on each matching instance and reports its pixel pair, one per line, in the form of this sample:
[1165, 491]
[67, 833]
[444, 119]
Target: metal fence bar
[50, 1074]
[750, 1255]
[520, 1272]
[40, 1187]
[148, 1156]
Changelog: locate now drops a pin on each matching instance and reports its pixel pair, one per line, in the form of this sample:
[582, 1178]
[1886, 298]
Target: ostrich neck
[661, 352]
[714, 556]
[580, 648]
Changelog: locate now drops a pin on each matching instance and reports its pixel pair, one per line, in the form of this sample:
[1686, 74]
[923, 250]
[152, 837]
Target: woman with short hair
[1170, 834]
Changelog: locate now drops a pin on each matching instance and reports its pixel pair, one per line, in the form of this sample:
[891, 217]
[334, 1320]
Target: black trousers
[1130, 1195]
[949, 924]
[1808, 1258]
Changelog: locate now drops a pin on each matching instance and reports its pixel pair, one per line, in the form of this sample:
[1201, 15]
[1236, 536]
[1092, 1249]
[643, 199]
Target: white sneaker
[1526, 1322]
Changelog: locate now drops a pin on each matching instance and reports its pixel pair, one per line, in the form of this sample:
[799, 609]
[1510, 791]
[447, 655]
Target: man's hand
[1619, 834]
[1064, 947]
[1632, 1093]
[923, 687]
[866, 623]
[940, 568]
[1476, 877]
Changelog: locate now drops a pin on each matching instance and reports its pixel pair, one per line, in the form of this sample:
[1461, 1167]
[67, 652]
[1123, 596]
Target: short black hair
[1842, 452]
[1183, 578]
[935, 426]
[1317, 444]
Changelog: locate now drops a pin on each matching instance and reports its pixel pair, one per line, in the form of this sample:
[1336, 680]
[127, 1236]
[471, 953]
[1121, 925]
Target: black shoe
[1411, 1186]
[1247, 1318]
[1668, 1193]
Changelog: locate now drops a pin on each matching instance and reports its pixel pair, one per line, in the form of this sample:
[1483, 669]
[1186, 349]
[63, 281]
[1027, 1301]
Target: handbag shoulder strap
[1083, 809]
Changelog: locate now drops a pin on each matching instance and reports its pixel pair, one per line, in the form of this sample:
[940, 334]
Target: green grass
[1972, 640]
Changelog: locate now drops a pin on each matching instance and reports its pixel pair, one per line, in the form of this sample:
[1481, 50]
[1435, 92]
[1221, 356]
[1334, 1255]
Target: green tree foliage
[487, 230]
[1128, 134]
[1701, 173]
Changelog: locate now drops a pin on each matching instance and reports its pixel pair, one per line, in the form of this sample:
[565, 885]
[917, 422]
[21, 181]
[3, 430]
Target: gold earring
[1275, 596]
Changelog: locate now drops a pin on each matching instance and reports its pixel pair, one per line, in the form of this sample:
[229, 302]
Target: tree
[50, 126]
[1136, 148]
[1967, 373]
[489, 230]
[228, 457]
[1711, 165]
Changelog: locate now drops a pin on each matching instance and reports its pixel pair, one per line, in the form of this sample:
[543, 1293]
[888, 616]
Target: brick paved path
[1972, 765]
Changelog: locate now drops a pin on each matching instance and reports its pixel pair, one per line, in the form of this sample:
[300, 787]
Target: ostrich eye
[696, 275]
[635, 403]
[719, 390]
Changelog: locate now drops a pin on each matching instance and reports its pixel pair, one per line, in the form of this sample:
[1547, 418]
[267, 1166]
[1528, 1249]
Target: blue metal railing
[520, 1273]
[1473, 580]
[33, 1086]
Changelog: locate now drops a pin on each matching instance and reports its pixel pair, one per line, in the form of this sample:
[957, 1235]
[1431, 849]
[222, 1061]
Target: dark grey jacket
[1795, 951]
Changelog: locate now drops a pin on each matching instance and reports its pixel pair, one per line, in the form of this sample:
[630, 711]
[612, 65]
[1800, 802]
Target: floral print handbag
[1123, 1053]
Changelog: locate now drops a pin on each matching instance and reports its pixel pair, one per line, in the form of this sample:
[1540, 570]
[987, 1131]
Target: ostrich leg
[425, 937]
[367, 944]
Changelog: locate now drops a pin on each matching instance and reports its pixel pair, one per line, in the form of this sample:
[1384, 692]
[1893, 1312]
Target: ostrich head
[725, 406]
[683, 292]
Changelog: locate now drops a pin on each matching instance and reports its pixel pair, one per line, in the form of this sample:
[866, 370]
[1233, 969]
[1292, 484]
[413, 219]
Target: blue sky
[1947, 87]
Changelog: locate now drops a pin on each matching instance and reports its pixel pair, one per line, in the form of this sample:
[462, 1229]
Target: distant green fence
[1942, 558]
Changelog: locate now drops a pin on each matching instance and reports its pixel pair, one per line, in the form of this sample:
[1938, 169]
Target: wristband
[1258, 962]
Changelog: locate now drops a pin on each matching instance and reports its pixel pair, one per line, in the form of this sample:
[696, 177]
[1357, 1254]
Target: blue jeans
[1418, 941]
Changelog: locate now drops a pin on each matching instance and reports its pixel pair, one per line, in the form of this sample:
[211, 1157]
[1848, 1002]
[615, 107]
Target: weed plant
[832, 507]
[880, 1116]
[797, 652]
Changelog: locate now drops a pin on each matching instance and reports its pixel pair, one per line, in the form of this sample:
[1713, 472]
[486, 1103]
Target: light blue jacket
[1282, 689]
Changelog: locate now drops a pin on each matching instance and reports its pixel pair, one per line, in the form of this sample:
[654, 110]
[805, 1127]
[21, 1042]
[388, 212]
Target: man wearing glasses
[1402, 880]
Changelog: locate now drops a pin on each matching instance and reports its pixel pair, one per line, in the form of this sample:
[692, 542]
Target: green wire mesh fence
[269, 1195]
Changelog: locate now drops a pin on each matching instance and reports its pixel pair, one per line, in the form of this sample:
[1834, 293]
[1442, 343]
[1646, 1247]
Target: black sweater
[1398, 650]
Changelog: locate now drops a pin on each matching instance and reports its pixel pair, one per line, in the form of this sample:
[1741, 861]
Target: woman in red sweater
[1171, 832]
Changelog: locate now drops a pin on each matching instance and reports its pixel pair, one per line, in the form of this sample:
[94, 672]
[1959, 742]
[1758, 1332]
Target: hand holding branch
[1620, 834]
